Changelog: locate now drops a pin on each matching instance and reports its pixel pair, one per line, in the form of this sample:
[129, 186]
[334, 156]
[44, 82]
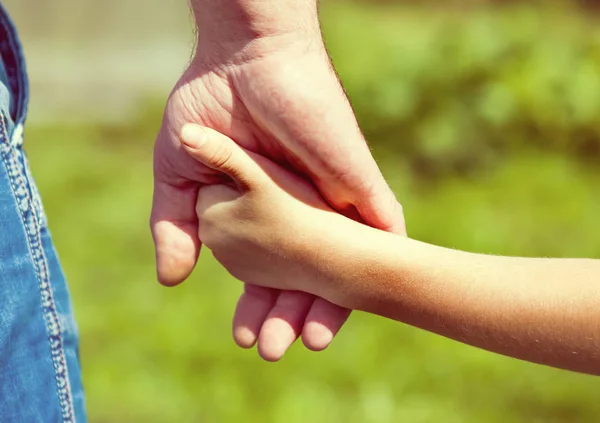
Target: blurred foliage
[455, 90]
[509, 95]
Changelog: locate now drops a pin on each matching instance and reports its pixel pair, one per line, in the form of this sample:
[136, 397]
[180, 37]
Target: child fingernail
[192, 136]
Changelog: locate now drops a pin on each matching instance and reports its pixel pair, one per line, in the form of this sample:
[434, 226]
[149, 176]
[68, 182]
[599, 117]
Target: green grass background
[486, 122]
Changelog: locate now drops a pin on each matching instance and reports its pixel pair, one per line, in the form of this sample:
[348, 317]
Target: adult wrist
[229, 28]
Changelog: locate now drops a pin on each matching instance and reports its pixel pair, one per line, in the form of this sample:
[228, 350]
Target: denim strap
[15, 68]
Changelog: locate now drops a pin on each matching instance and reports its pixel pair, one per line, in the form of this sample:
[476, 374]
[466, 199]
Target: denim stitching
[19, 188]
[38, 206]
[17, 141]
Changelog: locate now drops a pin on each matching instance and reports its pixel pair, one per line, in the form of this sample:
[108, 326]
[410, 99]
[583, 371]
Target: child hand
[265, 225]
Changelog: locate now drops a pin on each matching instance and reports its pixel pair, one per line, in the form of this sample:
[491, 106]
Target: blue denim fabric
[40, 378]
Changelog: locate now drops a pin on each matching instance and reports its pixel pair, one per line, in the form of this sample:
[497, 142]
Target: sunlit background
[485, 117]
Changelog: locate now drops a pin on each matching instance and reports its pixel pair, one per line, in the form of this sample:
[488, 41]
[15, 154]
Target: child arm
[269, 227]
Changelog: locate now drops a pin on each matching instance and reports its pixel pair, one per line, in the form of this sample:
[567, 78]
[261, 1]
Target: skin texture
[261, 76]
[271, 228]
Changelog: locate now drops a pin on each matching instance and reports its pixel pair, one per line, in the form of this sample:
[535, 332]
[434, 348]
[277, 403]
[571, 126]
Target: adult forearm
[231, 24]
[541, 310]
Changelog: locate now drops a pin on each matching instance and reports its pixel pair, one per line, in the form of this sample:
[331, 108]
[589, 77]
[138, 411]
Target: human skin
[261, 75]
[271, 228]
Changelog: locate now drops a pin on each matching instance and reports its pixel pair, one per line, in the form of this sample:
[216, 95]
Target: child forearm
[273, 229]
[541, 310]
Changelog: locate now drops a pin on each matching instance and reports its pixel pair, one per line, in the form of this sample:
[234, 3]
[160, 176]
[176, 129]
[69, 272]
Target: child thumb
[220, 153]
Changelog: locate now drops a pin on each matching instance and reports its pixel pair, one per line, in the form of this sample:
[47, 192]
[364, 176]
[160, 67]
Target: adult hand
[276, 94]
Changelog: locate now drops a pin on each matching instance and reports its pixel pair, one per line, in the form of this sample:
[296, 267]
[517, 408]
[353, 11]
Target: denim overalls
[40, 378]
